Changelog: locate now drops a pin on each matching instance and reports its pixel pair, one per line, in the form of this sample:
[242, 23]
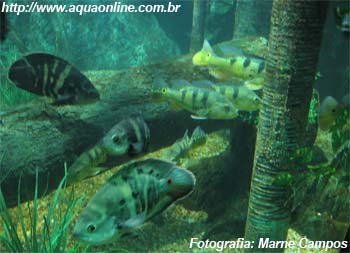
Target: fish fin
[135, 148]
[204, 84]
[179, 83]
[64, 100]
[254, 84]
[207, 46]
[198, 136]
[196, 117]
[176, 107]
[134, 221]
[98, 170]
[218, 74]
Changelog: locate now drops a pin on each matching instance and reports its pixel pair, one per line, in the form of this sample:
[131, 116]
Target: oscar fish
[128, 137]
[48, 75]
[201, 102]
[240, 67]
[139, 191]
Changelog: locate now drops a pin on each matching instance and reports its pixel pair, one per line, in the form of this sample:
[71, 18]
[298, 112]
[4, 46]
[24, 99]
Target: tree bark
[295, 38]
[251, 18]
[198, 24]
[44, 137]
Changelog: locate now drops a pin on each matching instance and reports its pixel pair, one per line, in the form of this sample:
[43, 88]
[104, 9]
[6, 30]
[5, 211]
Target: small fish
[48, 75]
[235, 67]
[201, 102]
[138, 192]
[130, 136]
[243, 98]
[87, 164]
[329, 110]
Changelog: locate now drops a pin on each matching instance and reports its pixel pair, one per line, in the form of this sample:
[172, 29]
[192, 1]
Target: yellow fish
[201, 102]
[238, 67]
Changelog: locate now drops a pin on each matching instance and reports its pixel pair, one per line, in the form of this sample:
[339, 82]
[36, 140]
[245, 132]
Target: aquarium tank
[174, 126]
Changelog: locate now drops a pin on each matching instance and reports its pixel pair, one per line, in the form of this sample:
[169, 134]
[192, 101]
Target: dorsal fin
[206, 46]
[203, 84]
[179, 83]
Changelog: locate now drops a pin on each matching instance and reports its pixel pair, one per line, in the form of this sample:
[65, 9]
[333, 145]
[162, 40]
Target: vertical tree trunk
[295, 38]
[198, 24]
[251, 18]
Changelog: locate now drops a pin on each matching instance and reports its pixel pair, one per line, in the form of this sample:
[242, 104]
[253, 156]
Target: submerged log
[43, 137]
[198, 24]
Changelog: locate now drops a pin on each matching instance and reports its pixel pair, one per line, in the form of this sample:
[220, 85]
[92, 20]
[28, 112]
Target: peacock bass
[237, 67]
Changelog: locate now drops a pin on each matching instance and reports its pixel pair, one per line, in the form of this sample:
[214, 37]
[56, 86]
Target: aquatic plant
[53, 236]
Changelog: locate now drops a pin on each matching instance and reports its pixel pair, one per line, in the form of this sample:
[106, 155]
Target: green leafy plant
[53, 236]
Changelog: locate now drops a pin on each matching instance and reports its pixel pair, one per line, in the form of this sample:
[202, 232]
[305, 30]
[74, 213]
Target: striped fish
[238, 67]
[201, 102]
[137, 193]
[48, 75]
[130, 136]
[243, 99]
[182, 146]
[87, 164]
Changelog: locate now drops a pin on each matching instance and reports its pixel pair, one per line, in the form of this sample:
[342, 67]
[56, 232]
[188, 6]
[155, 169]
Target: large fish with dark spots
[137, 193]
[201, 102]
[48, 75]
[129, 137]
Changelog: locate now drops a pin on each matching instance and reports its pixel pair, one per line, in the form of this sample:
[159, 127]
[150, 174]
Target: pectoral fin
[254, 84]
[198, 117]
[134, 221]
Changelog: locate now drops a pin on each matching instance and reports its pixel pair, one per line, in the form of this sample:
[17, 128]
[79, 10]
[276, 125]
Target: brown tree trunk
[295, 38]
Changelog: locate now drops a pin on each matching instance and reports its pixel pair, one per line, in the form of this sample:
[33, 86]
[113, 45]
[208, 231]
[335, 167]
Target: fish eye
[208, 55]
[333, 110]
[116, 139]
[91, 228]
[163, 90]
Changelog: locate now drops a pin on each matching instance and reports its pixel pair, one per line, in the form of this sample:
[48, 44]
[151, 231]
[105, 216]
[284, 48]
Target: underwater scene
[174, 126]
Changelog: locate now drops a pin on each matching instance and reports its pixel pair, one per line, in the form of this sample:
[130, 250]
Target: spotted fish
[134, 195]
[236, 67]
[202, 103]
[48, 75]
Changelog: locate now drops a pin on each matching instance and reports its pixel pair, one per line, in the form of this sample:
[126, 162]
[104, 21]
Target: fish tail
[182, 183]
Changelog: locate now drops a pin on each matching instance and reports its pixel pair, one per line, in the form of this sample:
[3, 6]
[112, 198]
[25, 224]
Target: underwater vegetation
[48, 233]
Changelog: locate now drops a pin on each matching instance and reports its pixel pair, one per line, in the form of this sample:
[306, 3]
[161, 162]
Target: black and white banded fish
[130, 136]
[48, 75]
